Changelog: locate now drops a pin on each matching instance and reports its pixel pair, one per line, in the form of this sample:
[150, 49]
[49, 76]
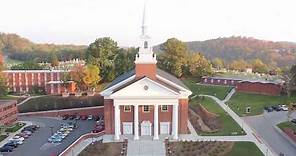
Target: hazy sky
[81, 21]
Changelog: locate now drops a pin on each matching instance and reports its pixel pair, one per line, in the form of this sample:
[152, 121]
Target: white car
[17, 138]
[284, 107]
[90, 117]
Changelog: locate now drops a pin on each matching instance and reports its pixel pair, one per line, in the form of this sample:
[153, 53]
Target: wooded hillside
[279, 54]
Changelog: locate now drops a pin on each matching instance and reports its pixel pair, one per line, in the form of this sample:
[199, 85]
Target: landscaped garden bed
[2, 137]
[289, 128]
[256, 102]
[219, 121]
[46, 103]
[214, 148]
[103, 149]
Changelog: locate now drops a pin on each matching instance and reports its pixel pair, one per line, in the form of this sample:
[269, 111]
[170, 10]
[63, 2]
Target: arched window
[145, 45]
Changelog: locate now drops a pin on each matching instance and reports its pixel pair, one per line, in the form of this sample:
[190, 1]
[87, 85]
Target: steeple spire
[144, 26]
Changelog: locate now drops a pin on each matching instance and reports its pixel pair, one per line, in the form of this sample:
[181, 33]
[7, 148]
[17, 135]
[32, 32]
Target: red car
[83, 117]
[98, 129]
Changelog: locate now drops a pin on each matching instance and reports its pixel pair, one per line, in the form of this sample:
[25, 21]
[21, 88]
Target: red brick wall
[74, 111]
[259, 88]
[183, 115]
[8, 112]
[148, 70]
[109, 116]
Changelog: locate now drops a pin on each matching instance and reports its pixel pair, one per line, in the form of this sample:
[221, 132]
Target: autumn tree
[258, 66]
[3, 87]
[77, 75]
[240, 65]
[174, 58]
[54, 61]
[292, 81]
[102, 53]
[218, 63]
[198, 65]
[91, 77]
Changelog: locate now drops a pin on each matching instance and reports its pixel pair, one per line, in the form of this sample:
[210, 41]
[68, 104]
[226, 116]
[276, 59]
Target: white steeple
[145, 54]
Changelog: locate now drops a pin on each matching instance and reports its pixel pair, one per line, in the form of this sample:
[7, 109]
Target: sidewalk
[265, 149]
[146, 148]
[14, 133]
[82, 145]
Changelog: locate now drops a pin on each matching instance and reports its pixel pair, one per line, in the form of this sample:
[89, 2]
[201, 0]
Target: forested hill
[233, 48]
[18, 48]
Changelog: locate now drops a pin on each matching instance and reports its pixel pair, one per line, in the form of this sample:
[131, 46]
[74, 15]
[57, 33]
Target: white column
[155, 137]
[136, 122]
[175, 122]
[117, 122]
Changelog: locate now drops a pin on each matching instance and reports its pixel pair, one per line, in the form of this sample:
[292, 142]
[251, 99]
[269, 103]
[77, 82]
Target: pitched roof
[160, 72]
[121, 78]
[171, 78]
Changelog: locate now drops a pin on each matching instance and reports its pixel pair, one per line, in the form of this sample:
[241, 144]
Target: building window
[164, 108]
[146, 109]
[145, 45]
[127, 108]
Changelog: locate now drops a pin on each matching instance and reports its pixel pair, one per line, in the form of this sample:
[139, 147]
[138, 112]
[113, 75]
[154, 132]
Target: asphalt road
[264, 127]
[37, 145]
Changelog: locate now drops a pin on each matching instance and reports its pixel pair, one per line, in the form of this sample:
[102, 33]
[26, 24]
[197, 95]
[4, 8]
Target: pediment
[145, 87]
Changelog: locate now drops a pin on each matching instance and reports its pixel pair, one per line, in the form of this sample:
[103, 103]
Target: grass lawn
[102, 149]
[2, 137]
[239, 102]
[45, 103]
[287, 124]
[244, 149]
[15, 127]
[197, 89]
[229, 126]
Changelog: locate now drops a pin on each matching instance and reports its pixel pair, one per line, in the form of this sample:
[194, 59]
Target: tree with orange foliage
[3, 87]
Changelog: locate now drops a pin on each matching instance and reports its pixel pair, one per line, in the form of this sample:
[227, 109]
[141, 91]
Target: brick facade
[148, 70]
[23, 81]
[259, 88]
[8, 112]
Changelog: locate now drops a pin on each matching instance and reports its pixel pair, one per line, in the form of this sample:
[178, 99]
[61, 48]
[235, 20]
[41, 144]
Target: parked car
[90, 117]
[33, 127]
[24, 135]
[276, 108]
[65, 117]
[284, 107]
[77, 117]
[293, 121]
[12, 144]
[6, 149]
[268, 108]
[29, 133]
[19, 142]
[98, 129]
[16, 137]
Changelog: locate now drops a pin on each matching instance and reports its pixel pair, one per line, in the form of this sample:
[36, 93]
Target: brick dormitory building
[23, 81]
[8, 112]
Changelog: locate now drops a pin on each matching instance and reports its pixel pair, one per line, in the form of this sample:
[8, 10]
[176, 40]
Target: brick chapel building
[146, 101]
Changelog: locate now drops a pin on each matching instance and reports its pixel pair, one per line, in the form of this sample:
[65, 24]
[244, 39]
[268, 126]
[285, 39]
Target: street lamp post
[51, 130]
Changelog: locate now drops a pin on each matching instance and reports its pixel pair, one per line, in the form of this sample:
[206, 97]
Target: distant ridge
[279, 54]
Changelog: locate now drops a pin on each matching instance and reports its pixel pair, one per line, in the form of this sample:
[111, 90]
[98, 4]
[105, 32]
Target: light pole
[51, 129]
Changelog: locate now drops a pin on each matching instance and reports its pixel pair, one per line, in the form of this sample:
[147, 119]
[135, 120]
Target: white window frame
[163, 110]
[127, 110]
[143, 109]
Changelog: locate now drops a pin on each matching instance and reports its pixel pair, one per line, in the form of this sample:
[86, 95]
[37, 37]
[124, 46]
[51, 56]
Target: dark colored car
[293, 121]
[72, 117]
[77, 117]
[276, 108]
[6, 149]
[12, 144]
[65, 117]
[33, 127]
[268, 108]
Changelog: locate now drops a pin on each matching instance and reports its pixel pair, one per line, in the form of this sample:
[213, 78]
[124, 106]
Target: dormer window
[145, 45]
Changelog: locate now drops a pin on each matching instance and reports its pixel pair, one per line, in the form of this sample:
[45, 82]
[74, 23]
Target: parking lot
[264, 126]
[37, 144]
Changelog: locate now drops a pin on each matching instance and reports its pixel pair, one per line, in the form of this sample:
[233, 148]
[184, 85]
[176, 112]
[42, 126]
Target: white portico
[145, 92]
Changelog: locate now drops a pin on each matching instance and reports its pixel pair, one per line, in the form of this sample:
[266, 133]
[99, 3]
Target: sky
[82, 21]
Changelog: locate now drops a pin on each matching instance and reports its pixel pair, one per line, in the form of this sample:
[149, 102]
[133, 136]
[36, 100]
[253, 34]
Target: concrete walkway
[265, 149]
[11, 135]
[82, 145]
[30, 97]
[145, 148]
